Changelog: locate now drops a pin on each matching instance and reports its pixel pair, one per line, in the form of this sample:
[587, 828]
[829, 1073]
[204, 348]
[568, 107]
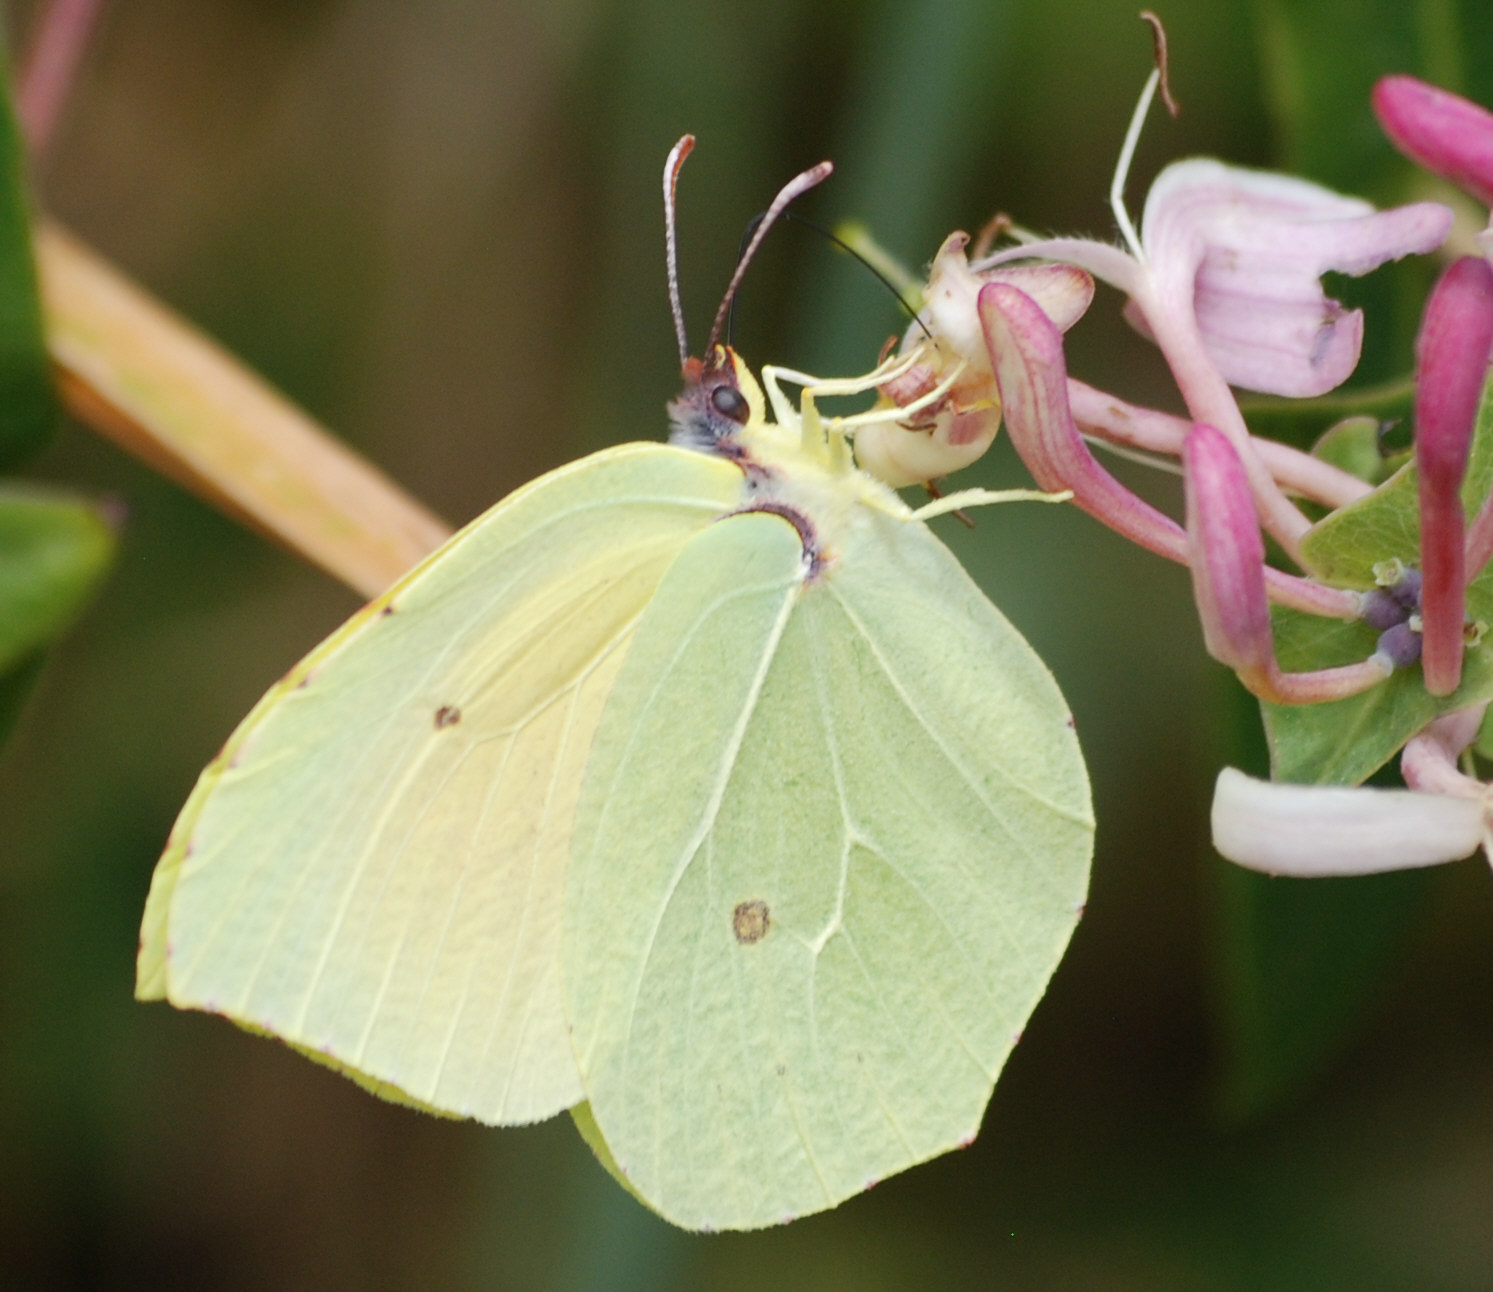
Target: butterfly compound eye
[730, 403]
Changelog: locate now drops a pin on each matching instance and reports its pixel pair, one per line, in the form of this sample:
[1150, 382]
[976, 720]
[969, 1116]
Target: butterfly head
[720, 400]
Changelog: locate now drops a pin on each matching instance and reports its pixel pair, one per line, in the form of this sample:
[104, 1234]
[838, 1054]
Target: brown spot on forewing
[751, 922]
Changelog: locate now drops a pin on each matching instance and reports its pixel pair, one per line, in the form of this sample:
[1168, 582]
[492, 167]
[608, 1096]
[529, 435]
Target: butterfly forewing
[373, 868]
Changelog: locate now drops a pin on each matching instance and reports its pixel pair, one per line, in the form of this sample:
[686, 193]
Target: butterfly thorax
[722, 411]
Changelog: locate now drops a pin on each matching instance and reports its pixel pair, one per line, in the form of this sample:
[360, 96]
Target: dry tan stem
[136, 372]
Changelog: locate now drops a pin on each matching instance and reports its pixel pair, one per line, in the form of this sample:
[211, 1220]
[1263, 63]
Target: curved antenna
[795, 187]
[672, 167]
[844, 246]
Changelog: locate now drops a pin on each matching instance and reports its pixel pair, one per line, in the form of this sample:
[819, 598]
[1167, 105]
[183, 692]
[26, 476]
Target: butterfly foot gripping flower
[948, 353]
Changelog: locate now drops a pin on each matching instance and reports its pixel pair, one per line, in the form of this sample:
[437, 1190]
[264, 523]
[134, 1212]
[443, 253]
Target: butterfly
[694, 787]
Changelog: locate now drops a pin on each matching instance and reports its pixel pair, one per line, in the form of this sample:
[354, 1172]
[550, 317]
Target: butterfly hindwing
[799, 949]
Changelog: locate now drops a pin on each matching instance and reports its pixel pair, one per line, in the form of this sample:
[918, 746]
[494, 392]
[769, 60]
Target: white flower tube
[1318, 830]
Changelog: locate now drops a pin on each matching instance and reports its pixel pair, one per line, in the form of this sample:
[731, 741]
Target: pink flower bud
[1228, 558]
[1026, 354]
[1456, 337]
[1441, 131]
[1228, 581]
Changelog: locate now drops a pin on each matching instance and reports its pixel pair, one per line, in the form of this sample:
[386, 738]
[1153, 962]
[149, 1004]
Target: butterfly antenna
[794, 188]
[751, 229]
[672, 167]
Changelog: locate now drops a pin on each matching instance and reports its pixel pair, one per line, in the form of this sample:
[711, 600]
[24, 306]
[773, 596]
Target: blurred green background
[437, 226]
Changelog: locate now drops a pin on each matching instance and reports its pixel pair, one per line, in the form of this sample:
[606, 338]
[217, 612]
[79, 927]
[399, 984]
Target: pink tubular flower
[1313, 831]
[1243, 252]
[1453, 138]
[1456, 337]
[1228, 559]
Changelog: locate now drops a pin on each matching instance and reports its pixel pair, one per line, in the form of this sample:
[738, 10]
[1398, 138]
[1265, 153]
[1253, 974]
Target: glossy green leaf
[53, 549]
[28, 404]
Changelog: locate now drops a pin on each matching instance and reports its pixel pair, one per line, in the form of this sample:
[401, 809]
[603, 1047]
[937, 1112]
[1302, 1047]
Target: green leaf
[28, 405]
[53, 550]
[1352, 445]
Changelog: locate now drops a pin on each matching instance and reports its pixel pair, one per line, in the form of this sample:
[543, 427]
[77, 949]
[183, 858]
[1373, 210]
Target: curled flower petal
[1244, 251]
[1026, 354]
[1321, 830]
[1442, 131]
[1063, 292]
[1455, 339]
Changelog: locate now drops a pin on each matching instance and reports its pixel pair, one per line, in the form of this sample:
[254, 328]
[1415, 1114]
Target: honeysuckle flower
[1453, 349]
[1228, 578]
[1313, 831]
[1225, 276]
[1442, 132]
[946, 338]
